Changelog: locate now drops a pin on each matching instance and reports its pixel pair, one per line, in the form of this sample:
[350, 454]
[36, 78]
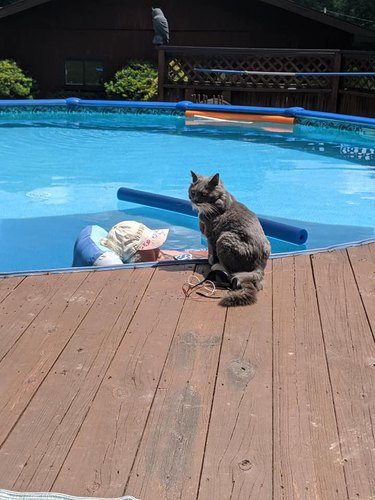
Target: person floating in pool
[126, 242]
[134, 242]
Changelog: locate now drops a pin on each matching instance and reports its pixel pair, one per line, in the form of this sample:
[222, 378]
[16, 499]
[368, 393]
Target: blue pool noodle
[274, 229]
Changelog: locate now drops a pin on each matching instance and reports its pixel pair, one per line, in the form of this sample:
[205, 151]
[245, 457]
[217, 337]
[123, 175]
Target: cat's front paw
[211, 260]
[258, 285]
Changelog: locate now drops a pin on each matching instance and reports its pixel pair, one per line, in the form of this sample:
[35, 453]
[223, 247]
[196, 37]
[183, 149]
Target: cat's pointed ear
[194, 176]
[214, 181]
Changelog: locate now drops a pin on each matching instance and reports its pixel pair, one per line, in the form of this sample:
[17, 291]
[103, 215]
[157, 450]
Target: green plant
[175, 73]
[81, 94]
[137, 81]
[14, 83]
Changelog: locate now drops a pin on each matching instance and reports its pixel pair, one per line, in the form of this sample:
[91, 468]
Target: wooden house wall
[42, 38]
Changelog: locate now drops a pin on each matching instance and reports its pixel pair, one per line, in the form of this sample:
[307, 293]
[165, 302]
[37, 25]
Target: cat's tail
[251, 283]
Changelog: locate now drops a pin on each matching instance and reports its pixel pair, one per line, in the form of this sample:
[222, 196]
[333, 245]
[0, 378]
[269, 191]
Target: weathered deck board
[238, 457]
[34, 452]
[362, 259]
[304, 419]
[349, 350]
[169, 460]
[18, 310]
[120, 410]
[113, 382]
[28, 362]
[8, 285]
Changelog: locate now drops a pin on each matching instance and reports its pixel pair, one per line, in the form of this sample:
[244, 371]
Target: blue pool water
[61, 172]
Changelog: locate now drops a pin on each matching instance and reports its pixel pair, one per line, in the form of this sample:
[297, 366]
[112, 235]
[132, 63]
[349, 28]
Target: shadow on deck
[112, 382]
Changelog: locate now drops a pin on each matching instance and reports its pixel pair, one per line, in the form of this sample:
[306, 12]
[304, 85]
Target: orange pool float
[246, 117]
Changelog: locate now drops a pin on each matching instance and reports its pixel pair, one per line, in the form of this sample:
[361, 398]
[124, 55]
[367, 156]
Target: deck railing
[179, 79]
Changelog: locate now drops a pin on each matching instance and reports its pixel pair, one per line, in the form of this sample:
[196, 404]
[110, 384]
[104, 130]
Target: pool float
[272, 228]
[88, 250]
[274, 128]
[266, 123]
[243, 117]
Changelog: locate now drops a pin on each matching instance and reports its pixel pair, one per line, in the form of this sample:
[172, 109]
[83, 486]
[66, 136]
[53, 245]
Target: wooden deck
[112, 382]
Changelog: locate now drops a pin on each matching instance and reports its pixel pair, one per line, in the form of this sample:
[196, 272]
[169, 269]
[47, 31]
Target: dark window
[84, 73]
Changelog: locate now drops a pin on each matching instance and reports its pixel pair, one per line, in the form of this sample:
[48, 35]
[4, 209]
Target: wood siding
[43, 37]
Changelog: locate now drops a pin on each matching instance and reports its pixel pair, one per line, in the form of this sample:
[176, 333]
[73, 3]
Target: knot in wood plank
[241, 370]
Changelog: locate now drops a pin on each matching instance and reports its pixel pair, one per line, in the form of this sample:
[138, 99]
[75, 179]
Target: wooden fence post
[335, 82]
[161, 73]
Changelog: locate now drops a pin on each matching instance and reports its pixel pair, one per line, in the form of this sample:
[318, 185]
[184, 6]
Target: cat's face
[204, 189]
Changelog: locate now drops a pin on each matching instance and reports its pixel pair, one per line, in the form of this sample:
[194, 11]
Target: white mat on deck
[20, 495]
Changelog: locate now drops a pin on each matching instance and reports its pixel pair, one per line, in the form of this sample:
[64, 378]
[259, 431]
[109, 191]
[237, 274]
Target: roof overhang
[19, 6]
[16, 7]
[321, 17]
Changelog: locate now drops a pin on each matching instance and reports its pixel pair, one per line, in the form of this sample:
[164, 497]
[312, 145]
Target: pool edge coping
[72, 103]
[169, 263]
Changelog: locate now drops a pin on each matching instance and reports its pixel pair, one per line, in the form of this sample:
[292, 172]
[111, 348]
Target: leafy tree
[137, 81]
[361, 12]
[14, 83]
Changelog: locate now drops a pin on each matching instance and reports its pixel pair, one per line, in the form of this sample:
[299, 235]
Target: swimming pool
[62, 163]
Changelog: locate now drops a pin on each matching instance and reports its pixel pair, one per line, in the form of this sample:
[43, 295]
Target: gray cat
[236, 240]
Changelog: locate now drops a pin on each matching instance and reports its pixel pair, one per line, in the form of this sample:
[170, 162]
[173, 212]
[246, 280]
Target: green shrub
[175, 73]
[81, 94]
[137, 81]
[14, 84]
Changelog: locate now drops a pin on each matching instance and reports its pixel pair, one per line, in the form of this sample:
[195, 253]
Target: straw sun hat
[128, 237]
